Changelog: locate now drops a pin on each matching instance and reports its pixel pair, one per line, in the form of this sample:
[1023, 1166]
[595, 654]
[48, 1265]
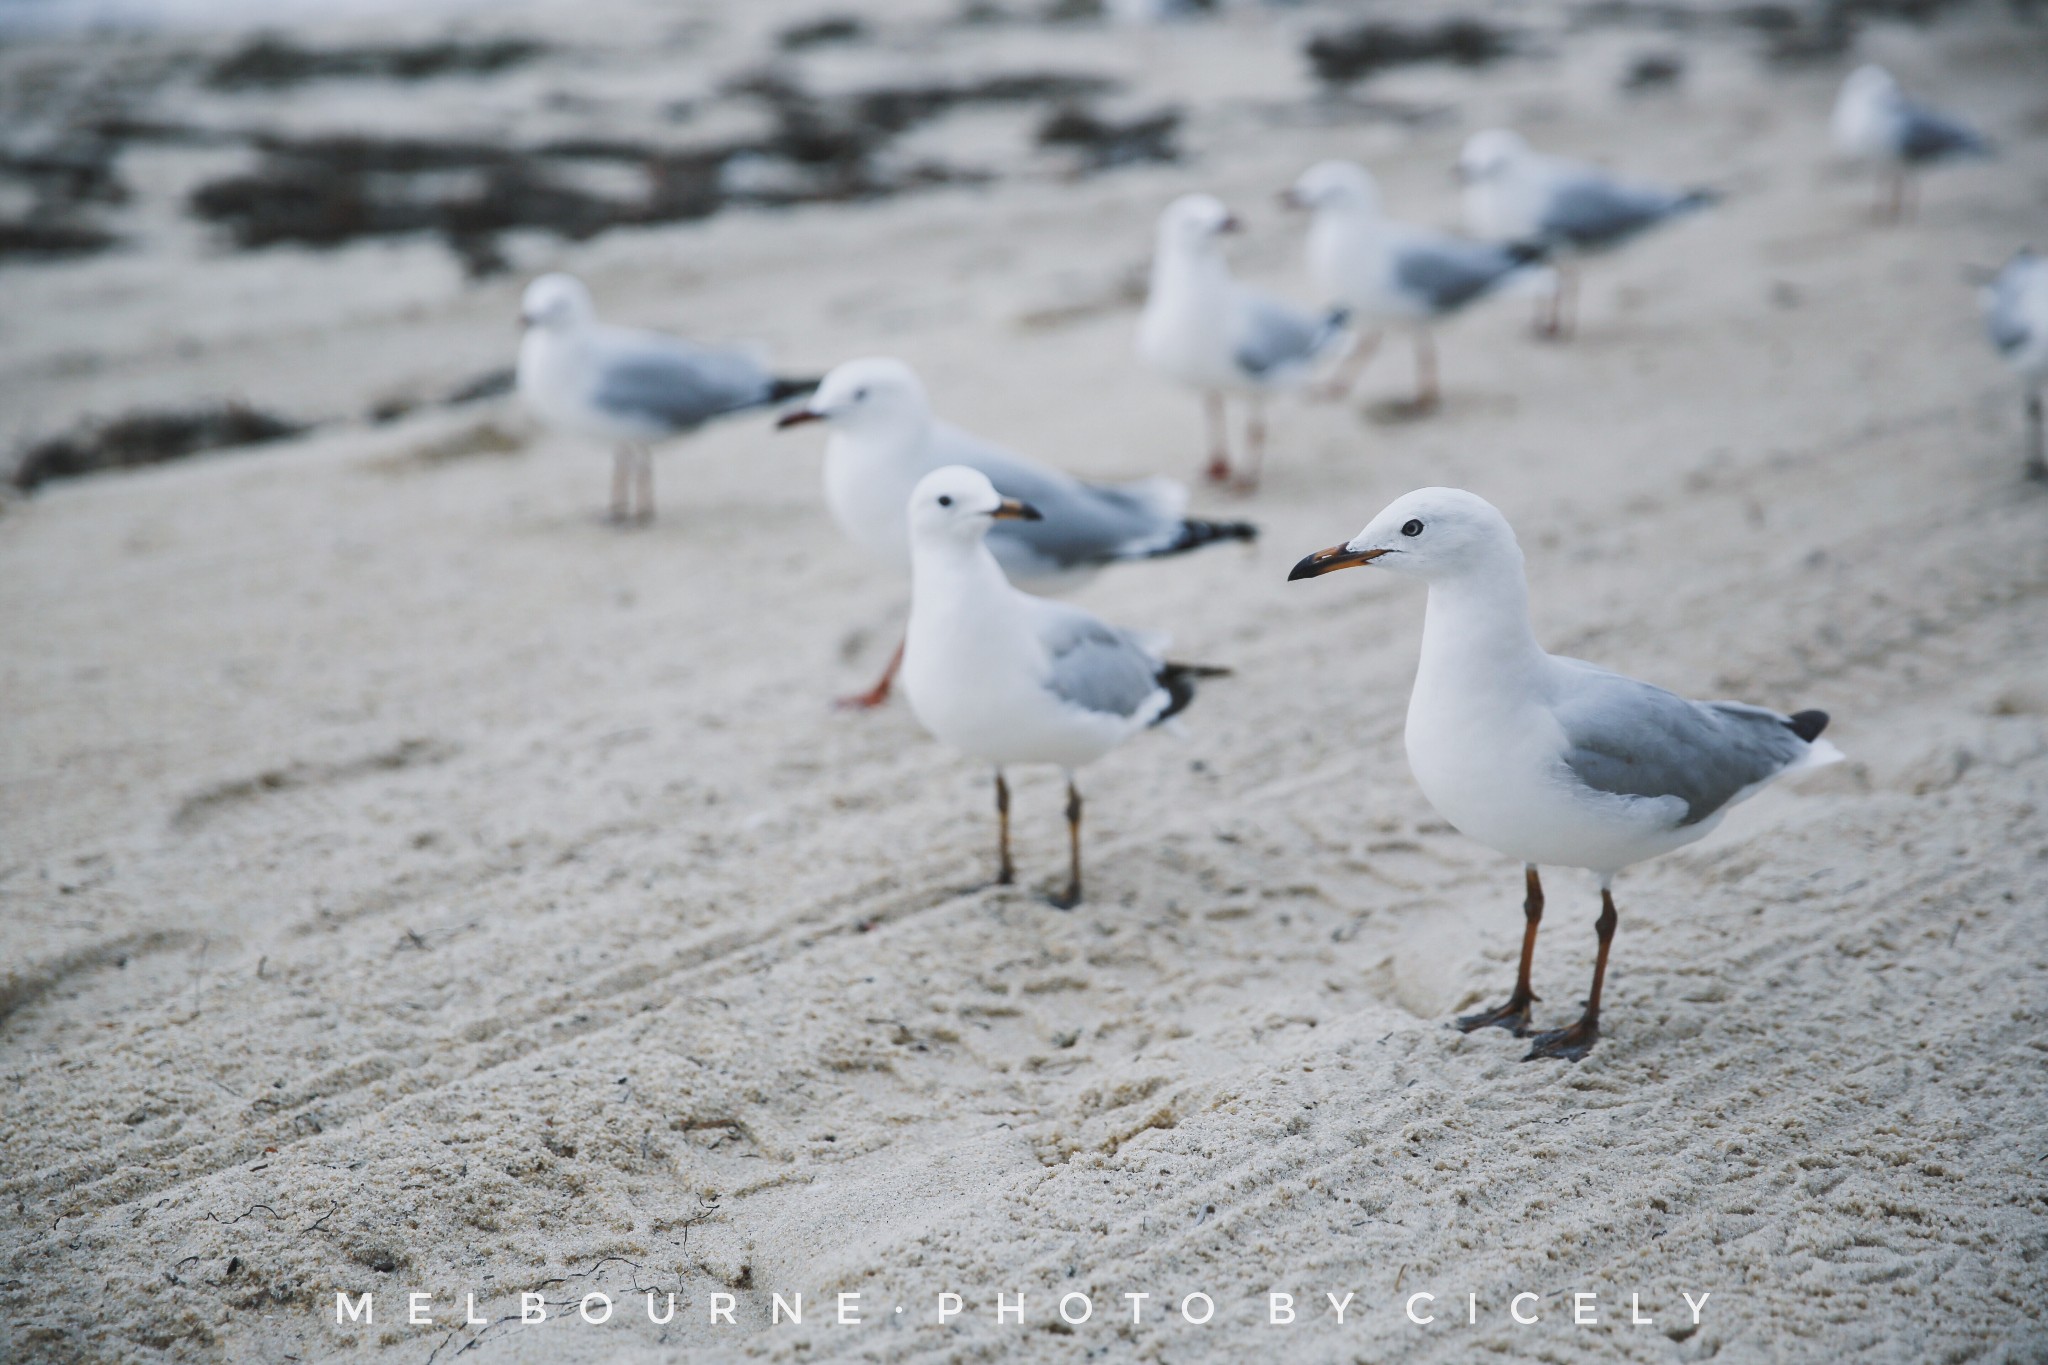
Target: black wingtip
[1526, 253]
[781, 390]
[1179, 682]
[1808, 724]
[1195, 534]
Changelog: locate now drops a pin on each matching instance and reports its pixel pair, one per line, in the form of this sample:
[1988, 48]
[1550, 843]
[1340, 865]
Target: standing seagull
[2016, 318]
[1394, 274]
[1009, 678]
[1876, 121]
[1513, 194]
[884, 439]
[1203, 329]
[1548, 759]
[627, 386]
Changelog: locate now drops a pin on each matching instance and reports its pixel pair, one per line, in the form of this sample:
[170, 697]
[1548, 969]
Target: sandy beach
[413, 885]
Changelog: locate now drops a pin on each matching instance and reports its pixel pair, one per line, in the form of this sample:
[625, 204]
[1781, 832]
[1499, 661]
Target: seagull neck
[1477, 627]
[947, 570]
[1176, 268]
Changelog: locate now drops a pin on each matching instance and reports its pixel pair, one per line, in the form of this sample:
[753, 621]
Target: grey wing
[1098, 667]
[676, 384]
[1083, 524]
[1275, 336]
[1446, 273]
[1591, 210]
[1629, 738]
[1928, 135]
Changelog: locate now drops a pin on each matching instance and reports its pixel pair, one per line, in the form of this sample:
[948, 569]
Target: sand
[415, 886]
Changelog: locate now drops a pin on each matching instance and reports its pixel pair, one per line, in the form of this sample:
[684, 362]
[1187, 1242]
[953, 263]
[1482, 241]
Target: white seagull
[885, 438]
[1548, 759]
[2016, 319]
[1387, 273]
[1876, 121]
[1514, 194]
[628, 387]
[1009, 678]
[1203, 329]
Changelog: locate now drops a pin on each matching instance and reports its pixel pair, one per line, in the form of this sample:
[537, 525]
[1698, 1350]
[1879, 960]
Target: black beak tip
[1305, 569]
[796, 418]
[1029, 513]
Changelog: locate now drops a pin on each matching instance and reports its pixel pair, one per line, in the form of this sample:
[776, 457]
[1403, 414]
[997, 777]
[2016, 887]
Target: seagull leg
[1427, 395]
[1073, 896]
[1006, 873]
[1345, 379]
[622, 477]
[879, 693]
[1219, 437]
[1575, 1042]
[643, 479]
[1255, 445]
[1564, 322]
[2037, 438]
[1514, 1016]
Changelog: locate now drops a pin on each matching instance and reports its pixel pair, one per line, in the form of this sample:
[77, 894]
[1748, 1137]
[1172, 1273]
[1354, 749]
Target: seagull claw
[1567, 1044]
[1513, 1016]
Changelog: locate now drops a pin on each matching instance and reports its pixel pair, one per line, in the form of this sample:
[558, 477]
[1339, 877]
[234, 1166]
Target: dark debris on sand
[1106, 142]
[66, 180]
[269, 62]
[1343, 56]
[148, 437]
[827, 31]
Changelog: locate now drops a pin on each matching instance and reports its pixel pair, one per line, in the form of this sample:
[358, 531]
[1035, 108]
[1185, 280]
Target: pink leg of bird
[879, 693]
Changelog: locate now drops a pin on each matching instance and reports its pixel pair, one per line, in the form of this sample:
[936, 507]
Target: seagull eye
[1412, 528]
[945, 499]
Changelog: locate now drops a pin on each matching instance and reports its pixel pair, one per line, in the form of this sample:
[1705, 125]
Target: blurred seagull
[1547, 759]
[1876, 121]
[884, 439]
[1009, 678]
[1388, 273]
[2016, 319]
[629, 387]
[1514, 194]
[1203, 329]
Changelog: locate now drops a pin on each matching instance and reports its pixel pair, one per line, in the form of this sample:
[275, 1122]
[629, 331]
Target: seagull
[1548, 759]
[1389, 273]
[1876, 121]
[1009, 678]
[629, 387]
[2016, 319]
[884, 439]
[1513, 194]
[1203, 329]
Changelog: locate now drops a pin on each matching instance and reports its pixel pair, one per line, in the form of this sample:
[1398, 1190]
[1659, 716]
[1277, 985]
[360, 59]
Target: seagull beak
[1330, 560]
[1009, 509]
[1461, 173]
[797, 417]
[1291, 199]
[1231, 223]
[524, 322]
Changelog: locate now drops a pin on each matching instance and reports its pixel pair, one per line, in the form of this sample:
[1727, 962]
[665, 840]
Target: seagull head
[1432, 533]
[955, 503]
[1490, 154]
[875, 395]
[556, 302]
[1869, 84]
[1343, 186]
[1194, 222]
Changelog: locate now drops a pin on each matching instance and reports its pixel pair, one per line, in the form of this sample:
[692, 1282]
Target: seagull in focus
[2015, 304]
[1009, 678]
[1878, 122]
[629, 387]
[1547, 759]
[1203, 329]
[1514, 194]
[1387, 273]
[884, 438]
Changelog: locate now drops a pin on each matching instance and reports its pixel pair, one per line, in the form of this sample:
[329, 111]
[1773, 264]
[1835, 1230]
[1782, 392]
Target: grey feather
[1593, 211]
[1277, 336]
[678, 385]
[1926, 134]
[1629, 738]
[1099, 668]
[1447, 273]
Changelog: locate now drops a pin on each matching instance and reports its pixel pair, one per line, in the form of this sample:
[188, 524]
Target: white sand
[412, 885]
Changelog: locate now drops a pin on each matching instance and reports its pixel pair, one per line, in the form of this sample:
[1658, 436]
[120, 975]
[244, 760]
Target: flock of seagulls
[1547, 760]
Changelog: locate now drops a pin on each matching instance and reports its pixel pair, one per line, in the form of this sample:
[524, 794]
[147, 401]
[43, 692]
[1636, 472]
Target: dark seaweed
[269, 62]
[1653, 71]
[1348, 55]
[148, 437]
[833, 28]
[1105, 142]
